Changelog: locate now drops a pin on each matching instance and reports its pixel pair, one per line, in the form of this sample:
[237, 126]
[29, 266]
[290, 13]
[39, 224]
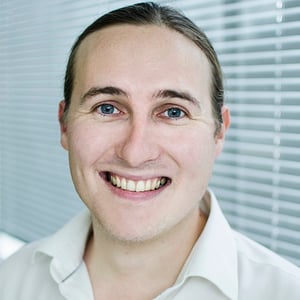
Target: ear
[220, 136]
[63, 124]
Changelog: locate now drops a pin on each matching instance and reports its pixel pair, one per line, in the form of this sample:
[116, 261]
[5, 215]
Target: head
[142, 121]
[150, 13]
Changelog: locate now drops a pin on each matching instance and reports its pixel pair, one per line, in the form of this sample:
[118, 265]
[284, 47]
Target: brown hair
[149, 13]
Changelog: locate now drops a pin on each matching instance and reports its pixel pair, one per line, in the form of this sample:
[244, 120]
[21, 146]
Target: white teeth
[157, 184]
[113, 180]
[140, 187]
[118, 181]
[123, 184]
[153, 184]
[137, 186]
[148, 185]
[163, 181]
[130, 185]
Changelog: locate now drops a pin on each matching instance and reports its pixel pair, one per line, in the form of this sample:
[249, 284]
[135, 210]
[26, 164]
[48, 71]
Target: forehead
[114, 38]
[116, 34]
[143, 52]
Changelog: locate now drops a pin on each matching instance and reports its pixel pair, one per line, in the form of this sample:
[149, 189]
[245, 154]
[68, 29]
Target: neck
[115, 263]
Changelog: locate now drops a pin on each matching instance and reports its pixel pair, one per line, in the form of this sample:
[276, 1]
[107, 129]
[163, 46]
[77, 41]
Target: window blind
[257, 178]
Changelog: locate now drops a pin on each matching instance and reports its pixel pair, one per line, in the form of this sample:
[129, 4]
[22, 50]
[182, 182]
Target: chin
[131, 233]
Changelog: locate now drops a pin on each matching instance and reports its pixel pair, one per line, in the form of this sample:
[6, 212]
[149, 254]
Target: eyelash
[174, 110]
[165, 113]
[103, 105]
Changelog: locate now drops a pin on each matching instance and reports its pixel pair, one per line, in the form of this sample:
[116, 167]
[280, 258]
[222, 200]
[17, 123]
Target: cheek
[87, 143]
[195, 152]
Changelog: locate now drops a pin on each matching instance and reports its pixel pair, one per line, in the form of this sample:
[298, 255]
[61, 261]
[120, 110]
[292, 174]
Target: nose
[139, 144]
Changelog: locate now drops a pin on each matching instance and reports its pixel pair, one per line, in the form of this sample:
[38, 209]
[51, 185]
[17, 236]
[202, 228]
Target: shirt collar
[66, 247]
[214, 256]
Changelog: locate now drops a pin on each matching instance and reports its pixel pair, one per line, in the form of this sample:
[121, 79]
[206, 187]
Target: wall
[257, 176]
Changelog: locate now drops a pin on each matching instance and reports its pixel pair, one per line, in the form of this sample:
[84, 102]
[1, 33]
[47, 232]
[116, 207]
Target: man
[143, 121]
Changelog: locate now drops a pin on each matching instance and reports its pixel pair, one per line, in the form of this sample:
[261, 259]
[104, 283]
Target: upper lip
[133, 177]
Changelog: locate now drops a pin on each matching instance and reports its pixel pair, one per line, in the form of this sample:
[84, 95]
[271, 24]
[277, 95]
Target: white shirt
[222, 265]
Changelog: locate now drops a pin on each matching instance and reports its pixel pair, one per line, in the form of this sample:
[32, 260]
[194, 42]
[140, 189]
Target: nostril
[137, 146]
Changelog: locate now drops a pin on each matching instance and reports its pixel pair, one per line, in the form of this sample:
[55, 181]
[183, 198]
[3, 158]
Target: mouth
[132, 185]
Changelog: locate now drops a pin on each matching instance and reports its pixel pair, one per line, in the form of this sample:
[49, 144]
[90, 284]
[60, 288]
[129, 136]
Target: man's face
[140, 130]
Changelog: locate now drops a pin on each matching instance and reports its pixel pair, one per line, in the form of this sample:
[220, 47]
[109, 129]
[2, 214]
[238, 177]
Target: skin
[140, 110]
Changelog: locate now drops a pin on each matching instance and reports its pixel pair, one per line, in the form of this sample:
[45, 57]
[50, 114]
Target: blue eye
[107, 109]
[174, 113]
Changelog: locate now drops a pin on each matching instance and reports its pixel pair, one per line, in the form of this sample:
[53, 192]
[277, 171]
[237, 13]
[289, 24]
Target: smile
[136, 185]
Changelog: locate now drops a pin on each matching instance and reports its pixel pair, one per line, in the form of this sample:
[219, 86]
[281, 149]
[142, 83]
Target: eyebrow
[177, 94]
[108, 90]
[112, 90]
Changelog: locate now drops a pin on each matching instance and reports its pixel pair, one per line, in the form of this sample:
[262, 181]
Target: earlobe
[62, 124]
[220, 137]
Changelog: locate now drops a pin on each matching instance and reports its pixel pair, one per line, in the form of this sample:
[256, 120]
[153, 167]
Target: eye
[174, 113]
[107, 109]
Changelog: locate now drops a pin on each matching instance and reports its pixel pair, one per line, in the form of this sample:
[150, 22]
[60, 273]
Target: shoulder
[19, 264]
[21, 258]
[264, 272]
[22, 272]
